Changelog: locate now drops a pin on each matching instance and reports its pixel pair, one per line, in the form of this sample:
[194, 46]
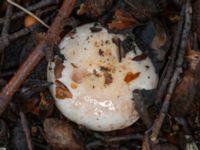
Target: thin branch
[26, 130]
[178, 70]
[125, 138]
[169, 69]
[6, 24]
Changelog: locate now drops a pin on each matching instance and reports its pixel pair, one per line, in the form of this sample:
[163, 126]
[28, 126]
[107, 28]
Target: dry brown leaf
[193, 57]
[60, 135]
[184, 95]
[122, 20]
[160, 38]
[94, 8]
[62, 91]
[31, 106]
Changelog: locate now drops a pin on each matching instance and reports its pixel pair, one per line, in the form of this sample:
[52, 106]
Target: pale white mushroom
[92, 86]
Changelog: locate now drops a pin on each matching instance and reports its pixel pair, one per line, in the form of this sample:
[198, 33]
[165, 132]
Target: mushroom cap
[92, 86]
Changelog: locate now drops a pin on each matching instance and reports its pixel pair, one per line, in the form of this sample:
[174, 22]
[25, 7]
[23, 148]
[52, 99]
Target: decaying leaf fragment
[184, 95]
[94, 8]
[186, 92]
[62, 91]
[122, 20]
[60, 135]
[142, 9]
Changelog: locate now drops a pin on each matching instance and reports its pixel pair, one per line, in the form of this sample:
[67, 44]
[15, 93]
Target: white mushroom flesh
[100, 84]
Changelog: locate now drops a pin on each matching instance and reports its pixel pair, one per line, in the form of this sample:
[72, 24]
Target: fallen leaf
[60, 135]
[193, 57]
[160, 38]
[184, 95]
[186, 92]
[31, 106]
[122, 20]
[62, 91]
[94, 8]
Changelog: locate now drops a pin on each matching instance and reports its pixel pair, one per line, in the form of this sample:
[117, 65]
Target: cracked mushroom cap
[93, 80]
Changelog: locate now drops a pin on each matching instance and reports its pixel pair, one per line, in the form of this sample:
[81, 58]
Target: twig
[28, 12]
[4, 41]
[34, 7]
[178, 70]
[26, 130]
[93, 144]
[6, 26]
[125, 138]
[146, 145]
[169, 69]
[3, 133]
[37, 54]
[196, 20]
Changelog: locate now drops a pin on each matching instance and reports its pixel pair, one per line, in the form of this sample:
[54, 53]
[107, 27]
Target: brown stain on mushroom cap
[62, 91]
[140, 57]
[78, 75]
[58, 67]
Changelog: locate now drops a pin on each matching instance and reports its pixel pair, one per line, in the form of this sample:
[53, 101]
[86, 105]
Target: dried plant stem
[6, 24]
[26, 130]
[5, 29]
[36, 55]
[178, 70]
[169, 69]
